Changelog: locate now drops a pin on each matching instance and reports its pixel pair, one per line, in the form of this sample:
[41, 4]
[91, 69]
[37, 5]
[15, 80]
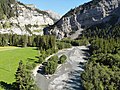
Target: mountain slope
[5, 9]
[84, 16]
[26, 19]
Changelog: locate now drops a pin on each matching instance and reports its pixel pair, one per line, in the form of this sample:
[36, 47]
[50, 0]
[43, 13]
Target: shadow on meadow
[7, 86]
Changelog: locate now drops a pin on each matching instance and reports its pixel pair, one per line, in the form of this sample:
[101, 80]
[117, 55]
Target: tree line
[25, 40]
[100, 31]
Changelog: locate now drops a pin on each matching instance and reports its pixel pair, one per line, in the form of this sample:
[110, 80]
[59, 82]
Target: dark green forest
[103, 31]
[102, 71]
[6, 10]
[25, 40]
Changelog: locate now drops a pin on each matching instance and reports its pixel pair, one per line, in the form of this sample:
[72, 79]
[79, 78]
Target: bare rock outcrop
[84, 16]
[27, 20]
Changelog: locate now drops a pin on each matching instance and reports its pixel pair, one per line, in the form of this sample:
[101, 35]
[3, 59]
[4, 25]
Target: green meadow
[9, 59]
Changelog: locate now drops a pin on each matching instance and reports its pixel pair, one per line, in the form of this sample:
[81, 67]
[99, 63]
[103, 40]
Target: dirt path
[67, 76]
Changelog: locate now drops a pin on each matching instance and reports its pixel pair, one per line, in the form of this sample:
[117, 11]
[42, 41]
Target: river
[67, 75]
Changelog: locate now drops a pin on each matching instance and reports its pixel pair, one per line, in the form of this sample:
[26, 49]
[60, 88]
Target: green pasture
[9, 59]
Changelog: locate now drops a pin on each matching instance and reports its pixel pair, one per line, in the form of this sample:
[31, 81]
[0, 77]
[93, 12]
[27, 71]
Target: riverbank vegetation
[31, 49]
[62, 59]
[102, 71]
[45, 46]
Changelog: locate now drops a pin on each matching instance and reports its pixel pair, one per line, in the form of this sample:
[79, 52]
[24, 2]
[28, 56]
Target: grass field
[7, 48]
[9, 59]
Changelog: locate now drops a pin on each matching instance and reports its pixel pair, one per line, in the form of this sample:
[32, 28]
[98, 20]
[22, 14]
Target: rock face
[84, 16]
[28, 20]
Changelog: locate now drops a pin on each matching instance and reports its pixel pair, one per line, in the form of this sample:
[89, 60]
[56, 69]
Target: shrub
[62, 45]
[62, 59]
[75, 43]
[54, 58]
[51, 65]
[40, 60]
[30, 66]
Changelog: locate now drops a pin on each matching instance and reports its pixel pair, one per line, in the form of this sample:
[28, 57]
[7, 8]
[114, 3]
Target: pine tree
[24, 81]
[20, 76]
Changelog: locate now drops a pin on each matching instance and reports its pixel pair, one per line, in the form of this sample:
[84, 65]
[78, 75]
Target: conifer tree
[24, 81]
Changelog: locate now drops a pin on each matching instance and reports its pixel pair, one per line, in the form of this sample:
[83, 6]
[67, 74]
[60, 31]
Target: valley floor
[8, 48]
[9, 59]
[67, 76]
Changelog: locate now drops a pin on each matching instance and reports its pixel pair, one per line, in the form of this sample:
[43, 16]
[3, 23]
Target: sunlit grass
[8, 48]
[9, 59]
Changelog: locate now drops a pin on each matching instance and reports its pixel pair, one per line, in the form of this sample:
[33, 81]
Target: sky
[59, 6]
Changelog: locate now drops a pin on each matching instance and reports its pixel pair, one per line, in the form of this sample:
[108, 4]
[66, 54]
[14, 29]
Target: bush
[51, 51]
[54, 58]
[62, 45]
[30, 66]
[75, 43]
[62, 59]
[40, 60]
[51, 65]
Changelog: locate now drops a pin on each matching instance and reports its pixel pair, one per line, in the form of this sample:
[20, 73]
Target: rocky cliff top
[55, 16]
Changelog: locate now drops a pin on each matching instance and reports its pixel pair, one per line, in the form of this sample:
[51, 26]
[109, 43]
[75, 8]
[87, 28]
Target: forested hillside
[102, 72]
[103, 31]
[6, 10]
[104, 13]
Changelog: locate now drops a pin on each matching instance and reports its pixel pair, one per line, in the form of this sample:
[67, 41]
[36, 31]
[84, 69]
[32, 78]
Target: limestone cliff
[27, 20]
[84, 16]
